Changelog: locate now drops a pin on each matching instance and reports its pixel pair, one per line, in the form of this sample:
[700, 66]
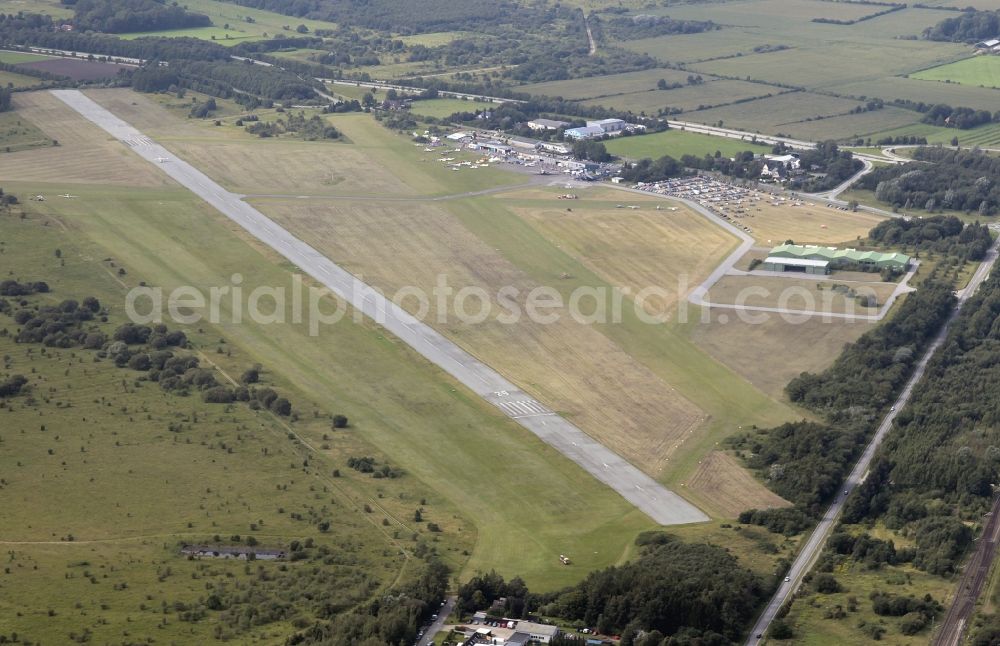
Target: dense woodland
[122, 16]
[968, 26]
[672, 590]
[939, 233]
[958, 180]
[644, 26]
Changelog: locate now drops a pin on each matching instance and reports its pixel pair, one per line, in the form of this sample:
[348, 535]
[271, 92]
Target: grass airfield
[503, 499]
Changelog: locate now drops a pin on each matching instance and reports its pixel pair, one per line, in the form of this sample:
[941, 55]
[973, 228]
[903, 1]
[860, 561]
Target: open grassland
[83, 155]
[18, 133]
[798, 294]
[770, 351]
[596, 87]
[721, 478]
[410, 411]
[688, 98]
[690, 48]
[677, 143]
[105, 476]
[771, 13]
[812, 628]
[442, 108]
[569, 366]
[13, 79]
[982, 5]
[435, 39]
[811, 223]
[981, 71]
[262, 24]
[373, 161]
[913, 89]
[776, 113]
[840, 62]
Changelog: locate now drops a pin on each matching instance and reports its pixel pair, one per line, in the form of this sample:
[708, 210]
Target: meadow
[914, 89]
[677, 143]
[443, 108]
[980, 71]
[13, 58]
[17, 133]
[775, 113]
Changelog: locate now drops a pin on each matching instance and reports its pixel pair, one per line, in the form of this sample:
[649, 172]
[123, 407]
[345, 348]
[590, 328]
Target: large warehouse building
[813, 259]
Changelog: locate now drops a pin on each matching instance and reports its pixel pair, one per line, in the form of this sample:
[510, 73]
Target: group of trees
[695, 592]
[806, 462]
[969, 26]
[122, 16]
[311, 129]
[622, 27]
[939, 233]
[961, 118]
[959, 180]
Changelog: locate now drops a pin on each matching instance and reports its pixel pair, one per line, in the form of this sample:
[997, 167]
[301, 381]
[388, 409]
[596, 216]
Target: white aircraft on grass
[162, 159]
[68, 196]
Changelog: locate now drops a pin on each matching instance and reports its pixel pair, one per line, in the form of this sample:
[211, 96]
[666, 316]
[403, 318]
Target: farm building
[813, 259]
[988, 44]
[546, 124]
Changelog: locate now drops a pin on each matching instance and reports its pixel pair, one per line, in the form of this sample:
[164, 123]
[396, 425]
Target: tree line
[959, 180]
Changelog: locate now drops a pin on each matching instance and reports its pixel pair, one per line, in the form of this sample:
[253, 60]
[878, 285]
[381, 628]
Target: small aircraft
[39, 198]
[162, 159]
[68, 196]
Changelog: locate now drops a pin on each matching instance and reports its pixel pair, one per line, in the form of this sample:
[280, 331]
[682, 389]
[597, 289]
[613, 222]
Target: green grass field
[979, 71]
[677, 143]
[216, 34]
[13, 58]
[442, 108]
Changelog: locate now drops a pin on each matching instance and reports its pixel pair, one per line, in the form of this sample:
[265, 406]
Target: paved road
[437, 625]
[811, 551]
[661, 504]
[974, 579]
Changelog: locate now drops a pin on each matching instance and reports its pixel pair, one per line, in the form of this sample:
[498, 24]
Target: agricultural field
[384, 386]
[979, 71]
[775, 113]
[76, 69]
[13, 79]
[607, 86]
[688, 98]
[848, 127]
[677, 143]
[986, 136]
[913, 89]
[841, 63]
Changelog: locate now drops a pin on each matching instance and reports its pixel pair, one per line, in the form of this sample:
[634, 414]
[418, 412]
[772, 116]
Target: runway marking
[523, 408]
[135, 142]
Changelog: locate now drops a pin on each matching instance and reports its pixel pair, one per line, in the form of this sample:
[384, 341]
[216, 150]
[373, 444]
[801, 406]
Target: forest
[673, 590]
[123, 16]
[939, 233]
[958, 180]
[969, 26]
[644, 26]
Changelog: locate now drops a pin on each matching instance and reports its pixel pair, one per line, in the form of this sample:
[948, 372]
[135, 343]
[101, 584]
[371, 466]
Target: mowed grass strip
[982, 71]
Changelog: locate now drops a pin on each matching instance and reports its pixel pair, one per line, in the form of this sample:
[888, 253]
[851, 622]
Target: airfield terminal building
[813, 259]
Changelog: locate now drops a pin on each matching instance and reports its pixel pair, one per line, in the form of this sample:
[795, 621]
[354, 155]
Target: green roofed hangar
[813, 259]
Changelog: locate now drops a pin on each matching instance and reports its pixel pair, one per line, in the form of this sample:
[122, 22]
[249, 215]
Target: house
[546, 124]
[542, 633]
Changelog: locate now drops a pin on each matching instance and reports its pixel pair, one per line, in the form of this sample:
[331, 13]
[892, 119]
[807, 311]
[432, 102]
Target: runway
[659, 503]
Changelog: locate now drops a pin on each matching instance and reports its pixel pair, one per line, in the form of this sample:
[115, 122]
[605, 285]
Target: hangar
[813, 259]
